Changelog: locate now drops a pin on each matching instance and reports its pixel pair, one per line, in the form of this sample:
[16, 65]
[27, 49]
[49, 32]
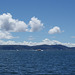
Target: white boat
[39, 50]
[17, 50]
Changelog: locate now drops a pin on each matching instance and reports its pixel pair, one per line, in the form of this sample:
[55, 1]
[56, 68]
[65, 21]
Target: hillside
[44, 47]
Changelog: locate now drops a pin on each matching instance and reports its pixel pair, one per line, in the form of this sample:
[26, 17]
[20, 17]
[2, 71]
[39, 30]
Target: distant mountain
[43, 47]
[14, 47]
[50, 47]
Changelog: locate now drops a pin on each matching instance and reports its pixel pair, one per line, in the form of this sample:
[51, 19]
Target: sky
[35, 22]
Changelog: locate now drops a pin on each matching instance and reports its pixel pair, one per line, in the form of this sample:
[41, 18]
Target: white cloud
[7, 23]
[5, 35]
[54, 30]
[45, 41]
[35, 24]
[50, 42]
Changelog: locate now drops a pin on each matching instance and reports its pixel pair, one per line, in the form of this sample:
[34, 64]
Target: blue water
[37, 62]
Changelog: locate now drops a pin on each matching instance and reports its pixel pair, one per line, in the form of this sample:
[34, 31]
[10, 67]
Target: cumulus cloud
[49, 42]
[45, 41]
[7, 23]
[35, 24]
[5, 35]
[54, 30]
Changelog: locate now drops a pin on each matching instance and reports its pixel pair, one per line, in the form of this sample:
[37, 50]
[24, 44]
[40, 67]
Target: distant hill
[43, 47]
[14, 47]
[50, 47]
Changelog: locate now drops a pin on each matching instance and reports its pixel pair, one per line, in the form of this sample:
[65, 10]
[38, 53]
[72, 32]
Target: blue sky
[58, 15]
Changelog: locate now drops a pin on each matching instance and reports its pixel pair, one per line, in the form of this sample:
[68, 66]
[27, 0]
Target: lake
[54, 62]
